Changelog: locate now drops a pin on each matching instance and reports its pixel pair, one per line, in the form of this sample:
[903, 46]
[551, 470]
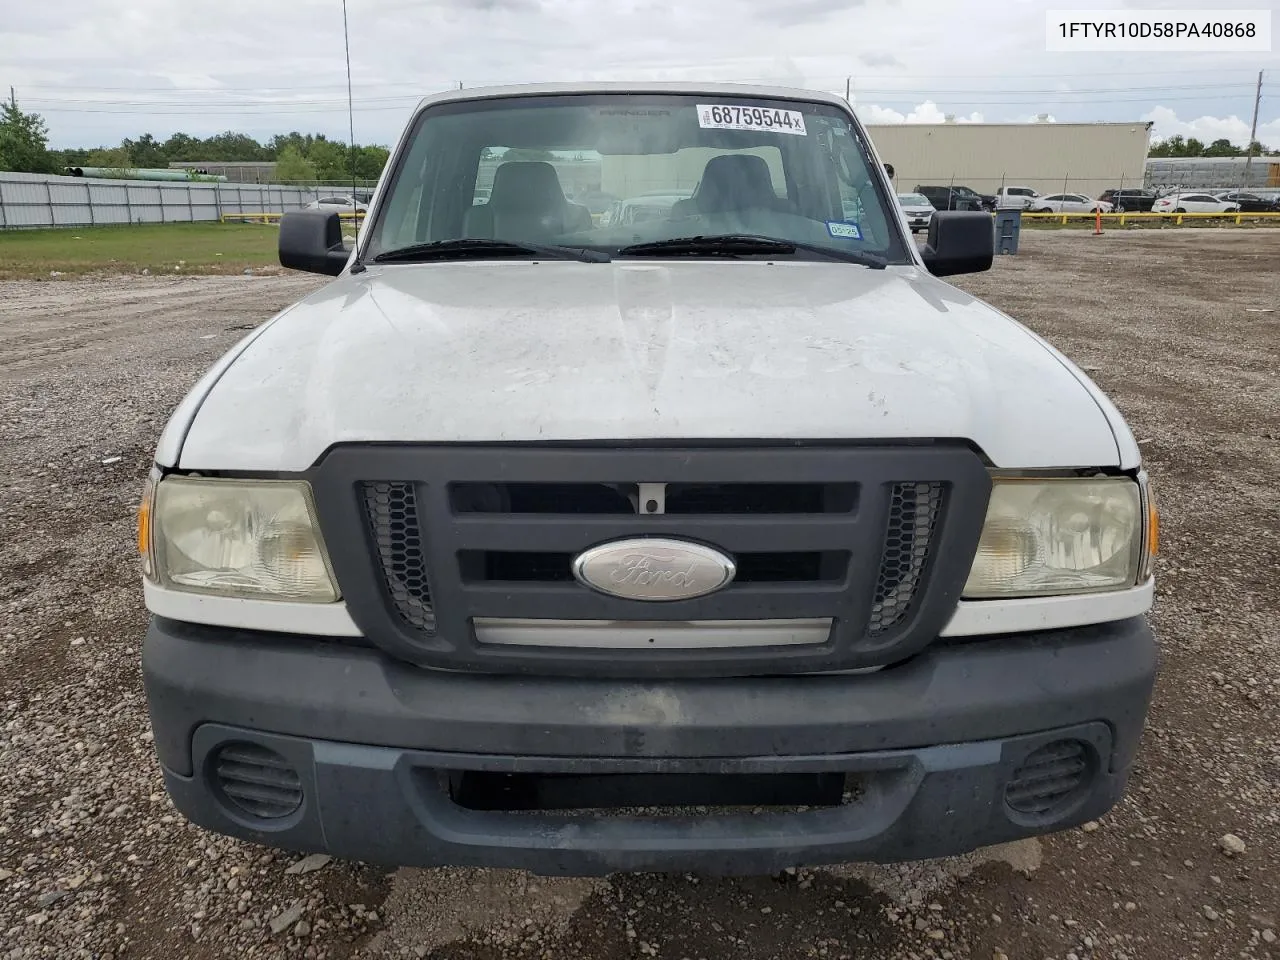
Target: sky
[98, 71]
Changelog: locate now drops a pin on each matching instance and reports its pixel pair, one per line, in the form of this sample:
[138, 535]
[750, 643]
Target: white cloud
[927, 112]
[1165, 123]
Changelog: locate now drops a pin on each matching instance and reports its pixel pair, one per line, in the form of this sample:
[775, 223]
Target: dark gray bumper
[933, 744]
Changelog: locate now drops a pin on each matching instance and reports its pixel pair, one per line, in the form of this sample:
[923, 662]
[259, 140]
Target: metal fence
[1091, 187]
[38, 200]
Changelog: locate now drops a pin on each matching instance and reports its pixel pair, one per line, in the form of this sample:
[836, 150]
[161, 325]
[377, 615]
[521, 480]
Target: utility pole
[1253, 132]
[12, 100]
[848, 87]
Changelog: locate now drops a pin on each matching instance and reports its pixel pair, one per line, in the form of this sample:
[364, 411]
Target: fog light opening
[254, 781]
[1051, 782]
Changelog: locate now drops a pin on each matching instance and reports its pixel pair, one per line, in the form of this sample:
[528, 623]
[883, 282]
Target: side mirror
[960, 241]
[888, 168]
[311, 240]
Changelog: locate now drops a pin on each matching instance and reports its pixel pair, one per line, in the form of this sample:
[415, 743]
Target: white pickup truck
[726, 541]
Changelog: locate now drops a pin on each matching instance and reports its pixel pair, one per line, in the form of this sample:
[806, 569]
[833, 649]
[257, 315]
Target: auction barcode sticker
[737, 117]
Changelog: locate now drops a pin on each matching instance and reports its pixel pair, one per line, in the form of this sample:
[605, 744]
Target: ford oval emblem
[653, 568]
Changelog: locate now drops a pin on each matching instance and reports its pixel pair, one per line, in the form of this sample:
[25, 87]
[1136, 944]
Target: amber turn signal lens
[144, 525]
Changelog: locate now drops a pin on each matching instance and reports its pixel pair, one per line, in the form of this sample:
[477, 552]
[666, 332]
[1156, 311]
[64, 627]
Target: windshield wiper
[745, 244]
[463, 248]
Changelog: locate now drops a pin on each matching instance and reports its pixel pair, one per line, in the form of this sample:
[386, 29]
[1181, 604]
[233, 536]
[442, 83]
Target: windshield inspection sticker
[736, 117]
[844, 230]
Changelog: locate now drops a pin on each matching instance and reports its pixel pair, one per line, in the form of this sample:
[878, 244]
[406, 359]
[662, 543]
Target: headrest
[526, 184]
[735, 181]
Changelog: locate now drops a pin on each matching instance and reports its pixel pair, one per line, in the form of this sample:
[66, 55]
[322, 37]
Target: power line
[418, 84]
[210, 113]
[303, 107]
[1095, 95]
[1081, 90]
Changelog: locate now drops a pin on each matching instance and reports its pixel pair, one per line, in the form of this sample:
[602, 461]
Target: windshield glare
[605, 172]
[914, 200]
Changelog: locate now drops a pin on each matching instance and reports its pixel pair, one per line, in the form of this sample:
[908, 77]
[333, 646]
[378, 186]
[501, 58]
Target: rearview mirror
[960, 241]
[311, 240]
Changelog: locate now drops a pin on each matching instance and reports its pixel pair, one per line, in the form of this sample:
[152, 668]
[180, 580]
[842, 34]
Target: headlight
[239, 538]
[1059, 536]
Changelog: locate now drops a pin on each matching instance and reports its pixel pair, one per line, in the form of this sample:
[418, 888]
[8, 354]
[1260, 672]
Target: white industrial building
[1085, 158]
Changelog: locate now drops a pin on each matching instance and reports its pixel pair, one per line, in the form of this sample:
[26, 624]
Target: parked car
[1194, 203]
[1249, 202]
[956, 197]
[918, 209]
[520, 524]
[596, 201]
[647, 206]
[1069, 203]
[340, 204]
[1015, 198]
[1129, 200]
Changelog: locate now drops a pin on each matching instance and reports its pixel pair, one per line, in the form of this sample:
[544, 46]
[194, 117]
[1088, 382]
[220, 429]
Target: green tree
[329, 159]
[144, 152]
[292, 166]
[75, 157]
[115, 157]
[179, 147]
[1222, 147]
[277, 144]
[232, 146]
[369, 161]
[24, 142]
[114, 160]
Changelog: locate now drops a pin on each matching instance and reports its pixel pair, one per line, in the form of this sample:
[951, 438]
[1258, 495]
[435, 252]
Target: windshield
[914, 200]
[609, 171]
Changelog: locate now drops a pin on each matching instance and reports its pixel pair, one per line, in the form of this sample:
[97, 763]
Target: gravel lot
[1181, 328]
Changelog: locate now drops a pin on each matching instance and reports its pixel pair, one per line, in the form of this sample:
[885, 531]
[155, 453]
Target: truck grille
[393, 519]
[913, 514]
[875, 541]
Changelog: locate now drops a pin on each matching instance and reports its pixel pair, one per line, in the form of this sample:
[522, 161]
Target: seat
[525, 203]
[731, 183]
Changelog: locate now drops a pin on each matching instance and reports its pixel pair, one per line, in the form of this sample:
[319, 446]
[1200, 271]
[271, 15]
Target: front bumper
[379, 749]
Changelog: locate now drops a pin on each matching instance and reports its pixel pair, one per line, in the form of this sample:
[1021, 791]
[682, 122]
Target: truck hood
[637, 350]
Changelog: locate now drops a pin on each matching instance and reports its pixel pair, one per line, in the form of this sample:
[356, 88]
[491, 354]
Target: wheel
[1120, 208]
[1180, 210]
[1045, 210]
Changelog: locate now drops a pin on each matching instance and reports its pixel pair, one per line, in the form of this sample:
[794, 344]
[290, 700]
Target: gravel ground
[1181, 328]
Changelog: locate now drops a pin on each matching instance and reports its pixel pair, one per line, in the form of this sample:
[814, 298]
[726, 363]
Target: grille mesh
[1049, 779]
[257, 780]
[913, 514]
[392, 509]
